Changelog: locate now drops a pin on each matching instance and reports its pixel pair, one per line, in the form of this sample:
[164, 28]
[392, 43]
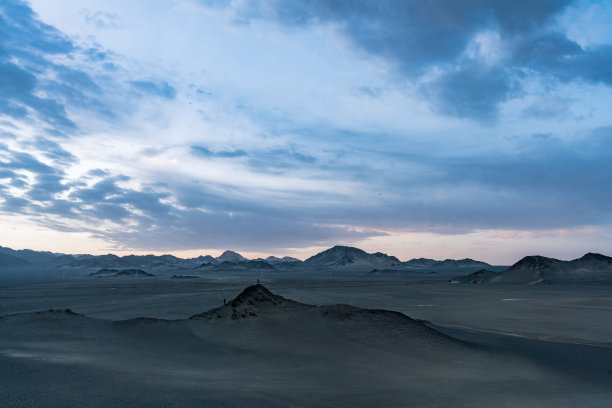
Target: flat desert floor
[469, 345]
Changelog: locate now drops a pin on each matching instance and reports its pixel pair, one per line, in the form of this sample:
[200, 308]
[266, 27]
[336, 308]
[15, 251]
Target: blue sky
[438, 129]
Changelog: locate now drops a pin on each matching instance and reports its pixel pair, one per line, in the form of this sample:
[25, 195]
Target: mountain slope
[480, 276]
[11, 261]
[32, 257]
[230, 256]
[129, 261]
[273, 260]
[426, 263]
[539, 269]
[207, 259]
[350, 257]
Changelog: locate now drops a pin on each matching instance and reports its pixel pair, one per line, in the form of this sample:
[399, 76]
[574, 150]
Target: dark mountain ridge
[535, 269]
[338, 257]
[426, 263]
[29, 255]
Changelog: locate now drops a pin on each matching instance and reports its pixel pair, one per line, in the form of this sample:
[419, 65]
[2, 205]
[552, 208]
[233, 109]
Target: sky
[440, 129]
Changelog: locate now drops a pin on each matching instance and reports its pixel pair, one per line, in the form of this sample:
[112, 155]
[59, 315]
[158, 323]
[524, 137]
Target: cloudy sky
[443, 129]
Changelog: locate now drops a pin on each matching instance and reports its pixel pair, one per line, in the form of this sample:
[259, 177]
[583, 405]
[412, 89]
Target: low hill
[420, 262]
[480, 276]
[118, 273]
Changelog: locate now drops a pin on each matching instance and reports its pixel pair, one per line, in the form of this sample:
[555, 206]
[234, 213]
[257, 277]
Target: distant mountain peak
[537, 269]
[385, 256]
[231, 256]
[205, 259]
[339, 255]
[534, 261]
[284, 259]
[596, 257]
[346, 249]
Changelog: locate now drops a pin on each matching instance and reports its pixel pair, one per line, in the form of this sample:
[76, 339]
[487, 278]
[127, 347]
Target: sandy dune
[261, 349]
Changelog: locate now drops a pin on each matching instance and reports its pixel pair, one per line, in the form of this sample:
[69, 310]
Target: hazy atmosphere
[447, 130]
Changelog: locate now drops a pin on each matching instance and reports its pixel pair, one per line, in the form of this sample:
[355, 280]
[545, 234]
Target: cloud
[98, 173]
[205, 152]
[47, 186]
[101, 19]
[413, 34]
[18, 93]
[419, 39]
[98, 192]
[14, 204]
[46, 182]
[26, 44]
[471, 91]
[158, 88]
[545, 184]
[25, 161]
[140, 219]
[111, 212]
[82, 155]
[45, 76]
[24, 33]
[53, 151]
[548, 108]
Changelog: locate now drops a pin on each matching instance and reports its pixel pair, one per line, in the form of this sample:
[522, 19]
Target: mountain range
[337, 257]
[531, 269]
[537, 269]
